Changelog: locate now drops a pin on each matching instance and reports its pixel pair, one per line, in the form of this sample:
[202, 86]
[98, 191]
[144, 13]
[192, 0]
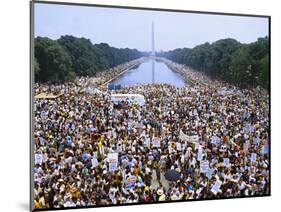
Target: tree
[263, 76]
[245, 65]
[85, 60]
[241, 67]
[36, 69]
[64, 59]
[54, 62]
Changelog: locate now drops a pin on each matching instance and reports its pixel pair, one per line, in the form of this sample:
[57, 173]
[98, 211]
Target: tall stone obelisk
[152, 42]
[153, 54]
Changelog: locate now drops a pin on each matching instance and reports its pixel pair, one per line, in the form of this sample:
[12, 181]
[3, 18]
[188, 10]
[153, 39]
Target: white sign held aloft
[38, 158]
[178, 146]
[131, 181]
[94, 160]
[204, 166]
[216, 188]
[156, 142]
[200, 153]
[209, 173]
[226, 162]
[253, 157]
[113, 161]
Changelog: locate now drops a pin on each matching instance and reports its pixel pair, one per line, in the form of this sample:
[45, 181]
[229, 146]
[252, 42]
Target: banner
[190, 139]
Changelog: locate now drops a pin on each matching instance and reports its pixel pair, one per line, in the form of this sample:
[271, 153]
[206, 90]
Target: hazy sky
[132, 28]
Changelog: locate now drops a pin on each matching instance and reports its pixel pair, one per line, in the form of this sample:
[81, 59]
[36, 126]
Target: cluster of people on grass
[90, 151]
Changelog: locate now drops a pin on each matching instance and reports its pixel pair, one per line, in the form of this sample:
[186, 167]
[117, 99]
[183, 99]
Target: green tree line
[67, 57]
[245, 65]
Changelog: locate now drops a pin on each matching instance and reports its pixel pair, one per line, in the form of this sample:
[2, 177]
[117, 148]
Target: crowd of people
[88, 151]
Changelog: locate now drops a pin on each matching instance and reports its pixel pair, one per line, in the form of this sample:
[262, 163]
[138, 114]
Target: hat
[174, 197]
[160, 192]
[60, 181]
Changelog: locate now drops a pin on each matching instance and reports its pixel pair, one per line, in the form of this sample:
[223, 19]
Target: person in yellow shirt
[42, 201]
[100, 145]
[75, 193]
[37, 205]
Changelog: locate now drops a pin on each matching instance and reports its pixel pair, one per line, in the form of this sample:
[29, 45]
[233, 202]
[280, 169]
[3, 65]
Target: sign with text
[204, 166]
[113, 161]
[38, 159]
[156, 142]
[216, 188]
[131, 181]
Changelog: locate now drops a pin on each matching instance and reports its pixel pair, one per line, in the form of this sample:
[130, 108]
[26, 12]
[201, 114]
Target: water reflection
[150, 71]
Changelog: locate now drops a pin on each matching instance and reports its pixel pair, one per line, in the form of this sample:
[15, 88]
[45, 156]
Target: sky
[127, 28]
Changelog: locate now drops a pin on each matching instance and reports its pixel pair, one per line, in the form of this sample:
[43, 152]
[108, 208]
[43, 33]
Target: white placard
[200, 153]
[216, 187]
[131, 181]
[253, 157]
[156, 142]
[113, 161]
[226, 162]
[178, 146]
[209, 173]
[94, 160]
[38, 158]
[265, 149]
[204, 166]
[147, 142]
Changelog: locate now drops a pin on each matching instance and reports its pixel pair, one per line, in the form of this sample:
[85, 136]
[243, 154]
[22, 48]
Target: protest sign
[215, 140]
[256, 141]
[226, 162]
[265, 149]
[204, 166]
[131, 181]
[178, 146]
[113, 161]
[94, 160]
[156, 142]
[209, 173]
[190, 139]
[253, 157]
[38, 158]
[216, 188]
[200, 153]
[147, 142]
